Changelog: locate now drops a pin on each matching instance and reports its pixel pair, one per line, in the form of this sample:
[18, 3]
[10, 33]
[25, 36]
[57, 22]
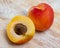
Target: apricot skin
[24, 38]
[42, 15]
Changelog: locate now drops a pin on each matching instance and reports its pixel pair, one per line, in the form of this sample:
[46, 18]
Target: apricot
[20, 29]
[42, 15]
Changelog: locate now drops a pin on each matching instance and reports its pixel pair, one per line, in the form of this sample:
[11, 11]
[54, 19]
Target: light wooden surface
[47, 39]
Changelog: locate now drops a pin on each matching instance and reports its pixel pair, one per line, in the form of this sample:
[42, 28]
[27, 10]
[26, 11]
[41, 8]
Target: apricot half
[20, 30]
[42, 15]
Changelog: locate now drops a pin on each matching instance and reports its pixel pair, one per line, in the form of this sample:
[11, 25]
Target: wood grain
[47, 39]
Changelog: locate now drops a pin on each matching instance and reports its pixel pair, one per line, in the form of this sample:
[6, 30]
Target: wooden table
[47, 39]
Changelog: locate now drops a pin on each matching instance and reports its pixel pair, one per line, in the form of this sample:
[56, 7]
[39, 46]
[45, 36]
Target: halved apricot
[20, 29]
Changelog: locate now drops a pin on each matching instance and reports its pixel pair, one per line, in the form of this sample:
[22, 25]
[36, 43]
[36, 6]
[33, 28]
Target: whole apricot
[42, 15]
